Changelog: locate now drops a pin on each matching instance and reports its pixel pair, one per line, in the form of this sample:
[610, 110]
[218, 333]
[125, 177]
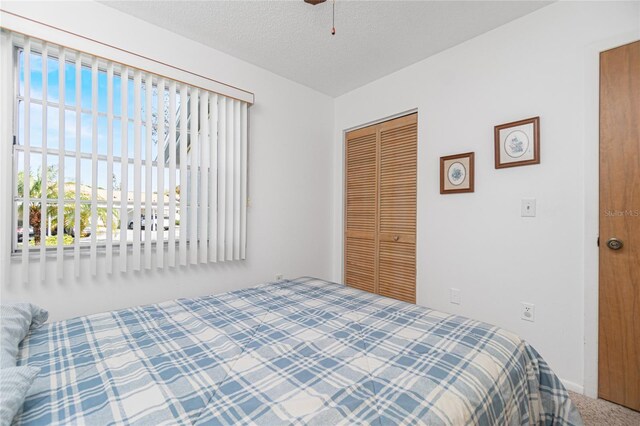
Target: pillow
[14, 385]
[16, 320]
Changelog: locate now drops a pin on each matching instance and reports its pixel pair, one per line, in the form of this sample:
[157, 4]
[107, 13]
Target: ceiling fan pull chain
[333, 12]
[333, 29]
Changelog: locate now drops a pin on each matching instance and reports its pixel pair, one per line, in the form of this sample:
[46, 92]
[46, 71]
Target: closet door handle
[396, 237]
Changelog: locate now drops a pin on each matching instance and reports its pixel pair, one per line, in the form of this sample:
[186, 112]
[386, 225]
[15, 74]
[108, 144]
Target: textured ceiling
[293, 39]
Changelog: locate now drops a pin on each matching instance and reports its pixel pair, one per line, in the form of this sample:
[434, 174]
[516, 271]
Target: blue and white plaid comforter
[295, 352]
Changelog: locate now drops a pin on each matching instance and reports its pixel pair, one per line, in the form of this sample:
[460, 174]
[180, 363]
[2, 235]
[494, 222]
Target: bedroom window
[113, 159]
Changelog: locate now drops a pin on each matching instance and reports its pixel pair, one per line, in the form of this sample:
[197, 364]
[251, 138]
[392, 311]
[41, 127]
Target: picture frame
[457, 173]
[517, 143]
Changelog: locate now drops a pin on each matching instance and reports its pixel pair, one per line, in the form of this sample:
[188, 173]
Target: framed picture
[517, 143]
[456, 173]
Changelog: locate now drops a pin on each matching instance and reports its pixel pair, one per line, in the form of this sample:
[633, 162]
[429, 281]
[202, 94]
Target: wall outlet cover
[528, 312]
[454, 296]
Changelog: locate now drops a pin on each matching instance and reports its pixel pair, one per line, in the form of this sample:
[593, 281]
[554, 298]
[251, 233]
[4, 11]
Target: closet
[380, 208]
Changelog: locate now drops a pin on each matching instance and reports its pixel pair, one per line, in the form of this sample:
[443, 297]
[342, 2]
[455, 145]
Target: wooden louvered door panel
[397, 209]
[361, 209]
[380, 231]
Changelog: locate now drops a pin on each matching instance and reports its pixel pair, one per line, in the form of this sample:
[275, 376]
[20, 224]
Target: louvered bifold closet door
[397, 209]
[361, 209]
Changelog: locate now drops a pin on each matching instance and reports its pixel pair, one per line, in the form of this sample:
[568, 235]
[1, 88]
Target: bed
[303, 351]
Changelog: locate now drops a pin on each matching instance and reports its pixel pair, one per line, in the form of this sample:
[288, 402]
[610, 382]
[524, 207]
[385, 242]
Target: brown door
[619, 302]
[380, 232]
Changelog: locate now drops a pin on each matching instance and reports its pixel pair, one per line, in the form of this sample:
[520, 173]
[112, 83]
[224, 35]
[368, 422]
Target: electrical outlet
[528, 312]
[279, 277]
[454, 296]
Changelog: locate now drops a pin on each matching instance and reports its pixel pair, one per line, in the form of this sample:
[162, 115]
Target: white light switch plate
[528, 207]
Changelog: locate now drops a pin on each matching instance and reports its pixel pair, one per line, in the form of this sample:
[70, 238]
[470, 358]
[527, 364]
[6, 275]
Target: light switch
[528, 207]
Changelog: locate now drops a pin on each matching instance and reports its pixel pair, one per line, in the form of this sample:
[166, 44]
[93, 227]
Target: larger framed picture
[456, 173]
[517, 143]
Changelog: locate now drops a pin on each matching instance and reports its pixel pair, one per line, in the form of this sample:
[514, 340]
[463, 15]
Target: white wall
[542, 64]
[290, 153]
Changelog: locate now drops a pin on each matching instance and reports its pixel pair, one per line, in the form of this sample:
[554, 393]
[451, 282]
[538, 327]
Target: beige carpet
[597, 412]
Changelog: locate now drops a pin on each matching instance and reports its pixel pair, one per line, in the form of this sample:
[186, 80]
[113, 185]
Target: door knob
[614, 244]
[396, 237]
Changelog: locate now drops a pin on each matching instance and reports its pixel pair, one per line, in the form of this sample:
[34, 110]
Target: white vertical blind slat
[171, 248]
[61, 147]
[243, 185]
[7, 162]
[160, 178]
[184, 194]
[45, 168]
[94, 168]
[148, 158]
[26, 174]
[222, 176]
[193, 178]
[237, 138]
[203, 216]
[124, 168]
[137, 166]
[228, 234]
[76, 208]
[109, 224]
[213, 178]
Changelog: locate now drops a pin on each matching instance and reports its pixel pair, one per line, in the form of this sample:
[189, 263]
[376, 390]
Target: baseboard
[574, 387]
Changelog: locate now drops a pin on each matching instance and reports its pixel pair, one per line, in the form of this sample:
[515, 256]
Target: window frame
[17, 148]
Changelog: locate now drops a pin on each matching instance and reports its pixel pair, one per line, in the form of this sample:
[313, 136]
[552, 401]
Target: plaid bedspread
[304, 351]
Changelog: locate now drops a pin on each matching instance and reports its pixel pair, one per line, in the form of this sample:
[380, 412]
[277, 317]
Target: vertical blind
[113, 159]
